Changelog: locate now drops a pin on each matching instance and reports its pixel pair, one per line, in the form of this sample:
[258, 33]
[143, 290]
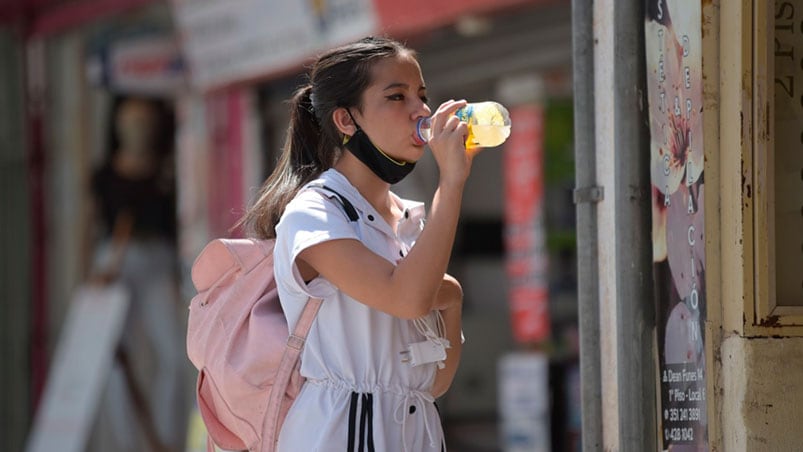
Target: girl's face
[391, 106]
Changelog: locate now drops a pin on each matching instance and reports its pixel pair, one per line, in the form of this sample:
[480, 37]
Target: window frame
[763, 314]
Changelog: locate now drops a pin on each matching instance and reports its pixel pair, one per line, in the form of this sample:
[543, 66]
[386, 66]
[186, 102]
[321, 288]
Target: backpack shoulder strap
[292, 352]
[299, 336]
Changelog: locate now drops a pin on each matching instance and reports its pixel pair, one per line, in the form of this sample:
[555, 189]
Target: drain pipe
[586, 195]
[632, 210]
[625, 302]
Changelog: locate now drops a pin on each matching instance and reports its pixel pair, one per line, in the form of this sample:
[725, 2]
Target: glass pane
[788, 155]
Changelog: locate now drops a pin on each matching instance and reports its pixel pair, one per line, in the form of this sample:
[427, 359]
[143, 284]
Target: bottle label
[465, 113]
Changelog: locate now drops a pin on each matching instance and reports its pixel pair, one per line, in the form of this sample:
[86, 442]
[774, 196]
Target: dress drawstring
[360, 419]
[400, 414]
[366, 423]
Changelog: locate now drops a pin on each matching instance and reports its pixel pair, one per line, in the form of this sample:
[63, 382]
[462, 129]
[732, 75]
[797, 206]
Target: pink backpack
[237, 338]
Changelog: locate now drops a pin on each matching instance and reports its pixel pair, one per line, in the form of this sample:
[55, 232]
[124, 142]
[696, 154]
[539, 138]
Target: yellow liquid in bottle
[486, 136]
[488, 125]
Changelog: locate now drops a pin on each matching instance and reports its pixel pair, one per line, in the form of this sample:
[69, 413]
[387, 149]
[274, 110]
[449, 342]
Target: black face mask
[384, 166]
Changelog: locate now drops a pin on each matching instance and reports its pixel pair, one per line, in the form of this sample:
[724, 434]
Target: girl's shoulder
[306, 204]
[313, 209]
[331, 188]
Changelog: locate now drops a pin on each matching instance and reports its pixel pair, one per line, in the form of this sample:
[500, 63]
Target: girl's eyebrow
[401, 85]
[396, 85]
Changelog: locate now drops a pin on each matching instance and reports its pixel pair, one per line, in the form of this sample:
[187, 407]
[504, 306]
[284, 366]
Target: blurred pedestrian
[134, 197]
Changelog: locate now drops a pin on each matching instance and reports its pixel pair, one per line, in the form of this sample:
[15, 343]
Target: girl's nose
[422, 110]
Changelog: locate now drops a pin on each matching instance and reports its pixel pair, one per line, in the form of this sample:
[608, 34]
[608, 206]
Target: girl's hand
[448, 143]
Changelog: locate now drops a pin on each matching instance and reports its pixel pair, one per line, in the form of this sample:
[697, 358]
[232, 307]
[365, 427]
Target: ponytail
[304, 157]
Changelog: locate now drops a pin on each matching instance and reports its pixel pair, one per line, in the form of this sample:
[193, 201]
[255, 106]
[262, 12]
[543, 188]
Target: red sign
[403, 18]
[149, 65]
[523, 161]
[524, 225]
[530, 313]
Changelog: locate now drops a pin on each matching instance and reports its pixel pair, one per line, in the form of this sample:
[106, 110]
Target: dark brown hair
[337, 79]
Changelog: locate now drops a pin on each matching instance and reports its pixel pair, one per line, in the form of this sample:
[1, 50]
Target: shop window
[777, 162]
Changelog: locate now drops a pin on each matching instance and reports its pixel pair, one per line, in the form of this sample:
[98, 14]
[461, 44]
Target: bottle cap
[423, 131]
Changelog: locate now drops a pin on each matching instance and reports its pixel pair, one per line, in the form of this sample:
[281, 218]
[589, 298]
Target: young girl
[389, 309]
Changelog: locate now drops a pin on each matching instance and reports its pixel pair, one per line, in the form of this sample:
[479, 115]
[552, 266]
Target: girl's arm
[406, 290]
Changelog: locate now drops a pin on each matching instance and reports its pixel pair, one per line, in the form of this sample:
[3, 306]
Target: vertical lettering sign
[674, 83]
[788, 151]
[524, 225]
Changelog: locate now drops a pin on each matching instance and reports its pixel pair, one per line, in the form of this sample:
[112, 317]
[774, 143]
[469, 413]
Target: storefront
[690, 118]
[69, 66]
[230, 122]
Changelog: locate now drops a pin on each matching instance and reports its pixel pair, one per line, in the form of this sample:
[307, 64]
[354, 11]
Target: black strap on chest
[351, 212]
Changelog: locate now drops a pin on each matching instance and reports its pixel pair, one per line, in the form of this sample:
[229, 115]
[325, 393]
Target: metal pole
[635, 306]
[16, 243]
[586, 196]
[35, 104]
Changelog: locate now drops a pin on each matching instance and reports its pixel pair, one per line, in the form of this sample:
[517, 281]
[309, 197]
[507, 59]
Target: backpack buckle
[295, 342]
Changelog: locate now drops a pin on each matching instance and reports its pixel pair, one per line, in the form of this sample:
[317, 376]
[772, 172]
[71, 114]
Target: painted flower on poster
[659, 253]
[682, 344]
[675, 79]
[674, 82]
[685, 236]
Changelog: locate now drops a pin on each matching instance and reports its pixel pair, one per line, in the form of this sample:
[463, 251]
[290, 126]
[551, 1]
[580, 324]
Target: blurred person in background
[134, 199]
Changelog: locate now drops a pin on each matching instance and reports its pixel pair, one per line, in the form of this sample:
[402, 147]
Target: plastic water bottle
[488, 125]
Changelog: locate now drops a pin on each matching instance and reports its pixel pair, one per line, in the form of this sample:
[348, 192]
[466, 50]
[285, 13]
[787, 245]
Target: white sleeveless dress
[359, 394]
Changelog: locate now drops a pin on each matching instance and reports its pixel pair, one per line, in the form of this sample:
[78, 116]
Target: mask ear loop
[347, 138]
[353, 120]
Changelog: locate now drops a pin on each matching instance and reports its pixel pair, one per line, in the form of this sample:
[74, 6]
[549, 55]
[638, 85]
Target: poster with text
[674, 84]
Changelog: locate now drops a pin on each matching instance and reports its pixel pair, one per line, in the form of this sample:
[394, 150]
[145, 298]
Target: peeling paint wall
[762, 393]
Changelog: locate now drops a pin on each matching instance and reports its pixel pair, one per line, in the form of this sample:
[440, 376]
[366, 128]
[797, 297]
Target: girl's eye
[396, 97]
[425, 99]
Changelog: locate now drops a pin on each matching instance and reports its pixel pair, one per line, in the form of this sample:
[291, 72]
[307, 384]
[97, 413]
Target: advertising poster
[525, 236]
[150, 64]
[81, 365]
[674, 83]
[236, 40]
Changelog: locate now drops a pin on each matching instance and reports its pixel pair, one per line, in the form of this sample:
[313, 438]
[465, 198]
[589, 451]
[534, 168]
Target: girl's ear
[343, 121]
